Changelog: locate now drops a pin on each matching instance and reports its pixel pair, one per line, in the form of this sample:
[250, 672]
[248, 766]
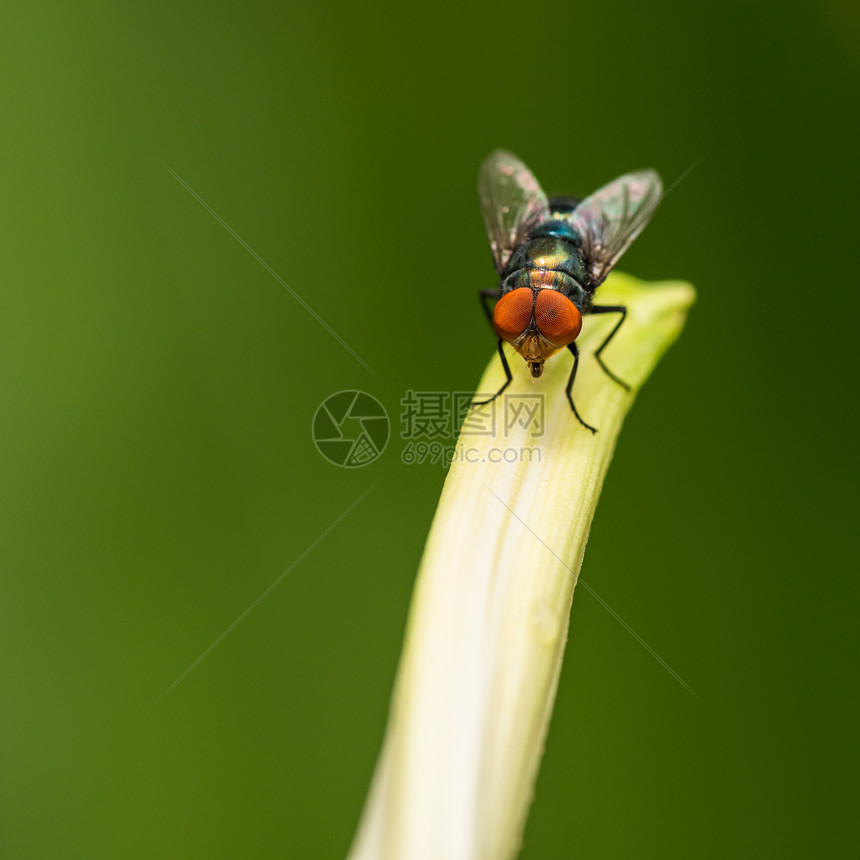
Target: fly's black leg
[610, 309]
[507, 374]
[488, 294]
[575, 350]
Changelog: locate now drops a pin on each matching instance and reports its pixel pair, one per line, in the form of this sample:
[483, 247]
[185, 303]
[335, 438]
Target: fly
[551, 256]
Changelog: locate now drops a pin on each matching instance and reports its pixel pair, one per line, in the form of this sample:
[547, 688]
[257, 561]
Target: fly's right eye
[557, 317]
[513, 313]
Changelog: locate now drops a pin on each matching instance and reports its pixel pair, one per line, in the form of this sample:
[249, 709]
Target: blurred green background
[158, 386]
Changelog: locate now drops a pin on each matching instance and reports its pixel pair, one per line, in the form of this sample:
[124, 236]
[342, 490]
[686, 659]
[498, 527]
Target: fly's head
[537, 323]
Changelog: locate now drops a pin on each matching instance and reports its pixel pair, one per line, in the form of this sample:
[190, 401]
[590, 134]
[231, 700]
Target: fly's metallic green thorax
[537, 278]
[551, 250]
[555, 255]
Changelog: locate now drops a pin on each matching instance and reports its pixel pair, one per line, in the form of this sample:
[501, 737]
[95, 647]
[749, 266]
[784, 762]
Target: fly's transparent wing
[611, 218]
[511, 201]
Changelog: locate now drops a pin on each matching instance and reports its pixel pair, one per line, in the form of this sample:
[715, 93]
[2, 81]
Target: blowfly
[551, 256]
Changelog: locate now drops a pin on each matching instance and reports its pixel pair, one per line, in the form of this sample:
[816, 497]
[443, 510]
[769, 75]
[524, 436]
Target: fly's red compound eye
[513, 313]
[557, 317]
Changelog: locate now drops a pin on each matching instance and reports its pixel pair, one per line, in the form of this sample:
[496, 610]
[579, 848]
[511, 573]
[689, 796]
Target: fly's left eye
[557, 317]
[513, 313]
